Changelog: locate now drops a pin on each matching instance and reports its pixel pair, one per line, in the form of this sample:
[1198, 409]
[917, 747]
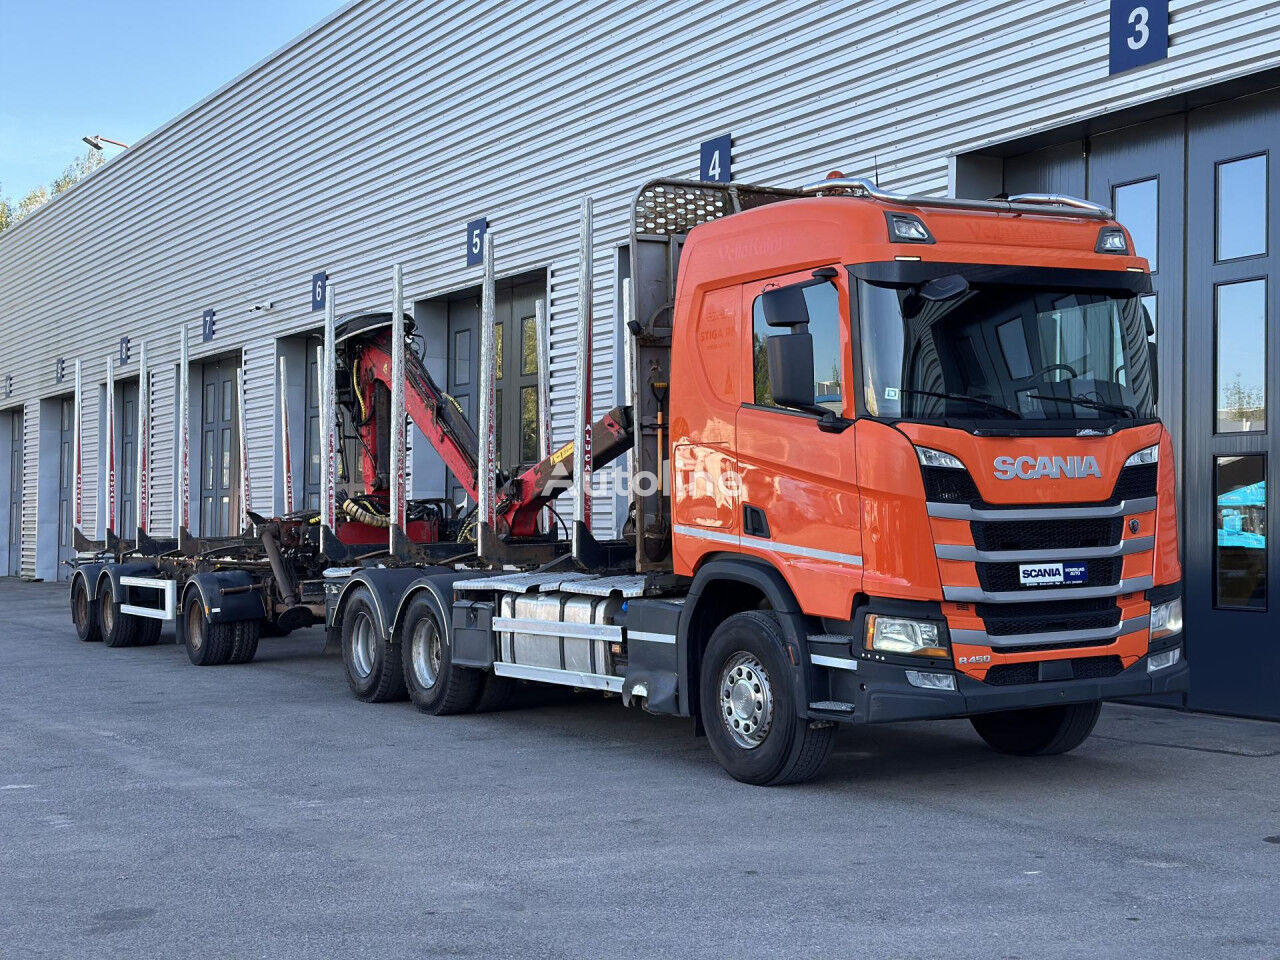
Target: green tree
[77, 170]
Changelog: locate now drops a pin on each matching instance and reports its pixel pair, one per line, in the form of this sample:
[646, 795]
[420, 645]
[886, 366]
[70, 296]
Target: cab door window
[823, 302]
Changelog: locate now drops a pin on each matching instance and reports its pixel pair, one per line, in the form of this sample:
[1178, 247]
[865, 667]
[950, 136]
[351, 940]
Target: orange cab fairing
[846, 511]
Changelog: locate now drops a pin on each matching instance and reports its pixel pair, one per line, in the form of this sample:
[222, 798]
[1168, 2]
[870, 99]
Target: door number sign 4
[1139, 33]
[715, 160]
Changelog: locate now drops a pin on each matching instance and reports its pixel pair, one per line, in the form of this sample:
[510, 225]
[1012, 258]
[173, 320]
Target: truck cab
[935, 421]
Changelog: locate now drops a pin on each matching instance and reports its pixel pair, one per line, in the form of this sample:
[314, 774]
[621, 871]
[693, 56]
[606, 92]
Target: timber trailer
[889, 458]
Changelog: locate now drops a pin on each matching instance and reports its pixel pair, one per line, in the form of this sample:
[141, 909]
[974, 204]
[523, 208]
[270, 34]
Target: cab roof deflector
[1041, 204]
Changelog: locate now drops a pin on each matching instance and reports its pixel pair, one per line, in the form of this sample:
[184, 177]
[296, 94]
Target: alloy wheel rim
[425, 653]
[746, 700]
[362, 645]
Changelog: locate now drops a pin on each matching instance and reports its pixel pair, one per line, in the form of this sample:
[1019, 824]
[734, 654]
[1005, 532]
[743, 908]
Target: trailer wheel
[373, 667]
[748, 705]
[244, 640]
[208, 644]
[148, 632]
[1039, 731]
[118, 629]
[84, 612]
[434, 684]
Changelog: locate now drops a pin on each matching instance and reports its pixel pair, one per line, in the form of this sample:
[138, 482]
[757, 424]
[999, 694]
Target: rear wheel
[118, 629]
[208, 644]
[748, 705]
[84, 612]
[244, 640]
[434, 684]
[372, 663]
[1039, 731]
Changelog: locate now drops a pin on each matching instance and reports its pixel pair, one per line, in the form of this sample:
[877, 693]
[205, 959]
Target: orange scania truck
[908, 464]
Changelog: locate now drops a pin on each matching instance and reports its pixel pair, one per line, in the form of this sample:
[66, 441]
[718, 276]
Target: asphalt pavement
[149, 808]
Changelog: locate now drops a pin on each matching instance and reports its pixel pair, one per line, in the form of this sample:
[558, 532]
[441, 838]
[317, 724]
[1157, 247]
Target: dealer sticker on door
[1051, 574]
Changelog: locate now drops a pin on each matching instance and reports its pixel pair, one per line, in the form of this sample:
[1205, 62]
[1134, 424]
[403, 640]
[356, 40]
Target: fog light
[1166, 618]
[905, 228]
[938, 458]
[931, 681]
[1112, 240]
[1163, 659]
[919, 638]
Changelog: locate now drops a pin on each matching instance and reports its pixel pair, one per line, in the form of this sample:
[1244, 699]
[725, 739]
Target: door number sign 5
[1139, 33]
[476, 230]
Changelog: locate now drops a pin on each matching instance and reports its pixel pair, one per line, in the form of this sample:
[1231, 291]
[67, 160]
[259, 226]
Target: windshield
[1004, 352]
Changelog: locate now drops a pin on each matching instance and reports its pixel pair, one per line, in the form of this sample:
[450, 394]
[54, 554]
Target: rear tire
[495, 693]
[1039, 731]
[748, 705]
[244, 640]
[149, 632]
[84, 612]
[118, 629]
[208, 644]
[372, 664]
[434, 684]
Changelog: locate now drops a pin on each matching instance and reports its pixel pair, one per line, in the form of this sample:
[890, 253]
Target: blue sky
[121, 68]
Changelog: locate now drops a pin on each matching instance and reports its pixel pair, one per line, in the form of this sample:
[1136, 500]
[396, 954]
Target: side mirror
[1155, 371]
[790, 357]
[785, 306]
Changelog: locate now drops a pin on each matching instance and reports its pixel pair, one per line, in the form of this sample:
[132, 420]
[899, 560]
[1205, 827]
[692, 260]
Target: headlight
[1166, 618]
[919, 638]
[1149, 454]
[936, 458]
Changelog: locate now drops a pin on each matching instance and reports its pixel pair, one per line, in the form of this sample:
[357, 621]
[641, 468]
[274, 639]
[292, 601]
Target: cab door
[799, 501]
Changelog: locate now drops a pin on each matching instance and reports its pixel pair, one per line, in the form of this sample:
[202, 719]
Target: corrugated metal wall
[30, 484]
[377, 135]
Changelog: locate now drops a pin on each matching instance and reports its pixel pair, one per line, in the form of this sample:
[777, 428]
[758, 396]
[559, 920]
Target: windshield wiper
[1121, 408]
[964, 396]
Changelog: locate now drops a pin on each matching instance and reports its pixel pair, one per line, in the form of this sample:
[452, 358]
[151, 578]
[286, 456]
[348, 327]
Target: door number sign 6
[1139, 33]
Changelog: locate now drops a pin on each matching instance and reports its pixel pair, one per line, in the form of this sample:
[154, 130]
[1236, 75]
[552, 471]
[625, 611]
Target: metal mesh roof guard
[674, 207]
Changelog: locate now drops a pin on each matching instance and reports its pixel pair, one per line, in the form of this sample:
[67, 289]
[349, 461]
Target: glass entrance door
[1232, 305]
[219, 463]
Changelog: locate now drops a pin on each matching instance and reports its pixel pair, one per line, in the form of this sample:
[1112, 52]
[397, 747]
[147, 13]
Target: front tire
[748, 705]
[434, 684]
[84, 612]
[1039, 731]
[372, 663]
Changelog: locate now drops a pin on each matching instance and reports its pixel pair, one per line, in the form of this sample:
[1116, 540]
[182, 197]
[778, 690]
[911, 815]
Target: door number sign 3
[1139, 33]
[715, 160]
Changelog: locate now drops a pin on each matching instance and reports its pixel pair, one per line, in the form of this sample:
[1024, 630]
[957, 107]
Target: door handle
[754, 522]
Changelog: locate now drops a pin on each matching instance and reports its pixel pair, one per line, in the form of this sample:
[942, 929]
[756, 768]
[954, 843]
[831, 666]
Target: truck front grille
[1003, 577]
[1083, 668]
[951, 485]
[1047, 534]
[1048, 616]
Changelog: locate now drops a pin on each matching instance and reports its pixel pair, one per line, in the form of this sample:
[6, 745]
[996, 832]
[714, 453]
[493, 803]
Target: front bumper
[880, 693]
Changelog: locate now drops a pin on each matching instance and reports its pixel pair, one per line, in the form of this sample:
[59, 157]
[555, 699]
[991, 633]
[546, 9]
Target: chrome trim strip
[983, 639]
[565, 678]
[557, 628]
[761, 543]
[946, 551]
[651, 637]
[962, 511]
[836, 663]
[978, 595]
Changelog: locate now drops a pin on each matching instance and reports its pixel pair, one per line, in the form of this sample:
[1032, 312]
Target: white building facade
[378, 136]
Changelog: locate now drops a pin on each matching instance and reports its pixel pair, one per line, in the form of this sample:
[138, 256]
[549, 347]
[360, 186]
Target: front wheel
[748, 705]
[1039, 731]
[84, 613]
[434, 684]
[372, 662]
